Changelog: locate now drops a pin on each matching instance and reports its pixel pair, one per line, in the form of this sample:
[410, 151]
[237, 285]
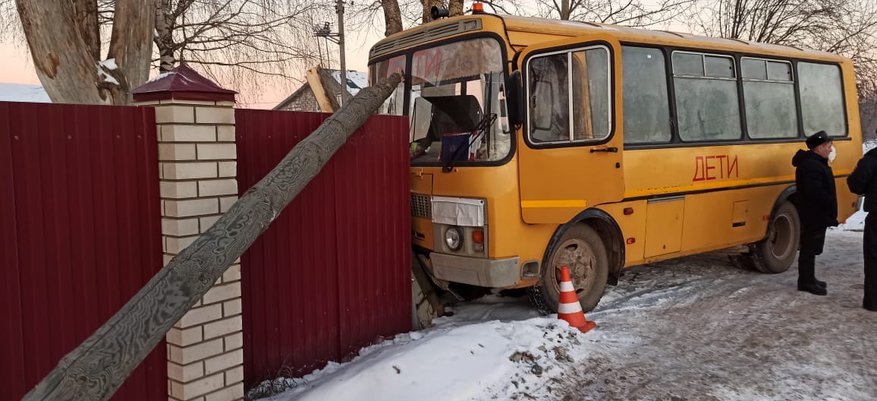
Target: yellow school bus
[539, 143]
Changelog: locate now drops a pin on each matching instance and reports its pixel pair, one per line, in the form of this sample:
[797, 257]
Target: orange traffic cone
[569, 308]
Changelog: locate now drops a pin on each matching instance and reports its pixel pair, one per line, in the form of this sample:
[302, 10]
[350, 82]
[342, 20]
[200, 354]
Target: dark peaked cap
[817, 139]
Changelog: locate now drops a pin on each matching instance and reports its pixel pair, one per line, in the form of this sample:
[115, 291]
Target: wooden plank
[324, 98]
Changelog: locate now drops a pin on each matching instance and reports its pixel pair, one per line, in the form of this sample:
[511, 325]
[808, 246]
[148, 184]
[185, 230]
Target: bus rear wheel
[776, 252]
[582, 250]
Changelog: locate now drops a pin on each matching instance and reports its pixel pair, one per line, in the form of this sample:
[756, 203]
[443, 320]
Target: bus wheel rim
[781, 237]
[579, 257]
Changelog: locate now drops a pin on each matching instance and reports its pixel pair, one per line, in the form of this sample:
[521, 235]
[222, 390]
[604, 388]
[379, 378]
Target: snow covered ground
[691, 329]
[10, 92]
[695, 328]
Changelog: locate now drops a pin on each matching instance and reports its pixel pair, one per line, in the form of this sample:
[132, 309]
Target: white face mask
[833, 154]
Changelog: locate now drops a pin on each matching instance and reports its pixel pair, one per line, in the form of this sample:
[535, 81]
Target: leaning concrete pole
[98, 367]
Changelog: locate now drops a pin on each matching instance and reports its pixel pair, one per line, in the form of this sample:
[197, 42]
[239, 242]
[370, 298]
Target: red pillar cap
[182, 83]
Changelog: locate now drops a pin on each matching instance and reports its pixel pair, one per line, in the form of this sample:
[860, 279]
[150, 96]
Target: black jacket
[863, 180]
[817, 198]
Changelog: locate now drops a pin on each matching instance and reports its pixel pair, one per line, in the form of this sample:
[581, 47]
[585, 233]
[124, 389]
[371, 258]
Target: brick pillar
[198, 165]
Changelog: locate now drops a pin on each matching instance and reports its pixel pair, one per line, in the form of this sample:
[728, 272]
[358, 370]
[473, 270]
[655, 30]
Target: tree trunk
[131, 44]
[63, 60]
[96, 369]
[427, 7]
[392, 16]
[164, 39]
[455, 8]
[565, 10]
[87, 25]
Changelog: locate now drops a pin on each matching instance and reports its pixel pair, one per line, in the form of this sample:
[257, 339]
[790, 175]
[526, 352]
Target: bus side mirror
[515, 98]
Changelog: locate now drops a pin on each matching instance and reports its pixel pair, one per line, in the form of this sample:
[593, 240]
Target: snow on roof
[31, 93]
[356, 80]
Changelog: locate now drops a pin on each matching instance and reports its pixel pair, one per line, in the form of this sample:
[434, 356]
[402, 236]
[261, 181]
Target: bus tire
[582, 249]
[776, 252]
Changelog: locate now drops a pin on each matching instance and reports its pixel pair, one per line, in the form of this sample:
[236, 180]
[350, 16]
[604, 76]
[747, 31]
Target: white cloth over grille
[458, 211]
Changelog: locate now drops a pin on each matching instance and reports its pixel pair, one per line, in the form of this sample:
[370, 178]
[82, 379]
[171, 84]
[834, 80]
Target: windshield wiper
[483, 126]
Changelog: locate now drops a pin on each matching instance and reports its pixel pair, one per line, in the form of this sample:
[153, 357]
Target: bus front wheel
[776, 252]
[582, 250]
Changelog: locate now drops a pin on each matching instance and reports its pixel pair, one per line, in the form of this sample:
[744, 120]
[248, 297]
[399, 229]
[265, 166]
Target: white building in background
[303, 98]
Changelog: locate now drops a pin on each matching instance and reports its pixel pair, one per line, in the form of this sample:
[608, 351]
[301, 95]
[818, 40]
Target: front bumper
[492, 273]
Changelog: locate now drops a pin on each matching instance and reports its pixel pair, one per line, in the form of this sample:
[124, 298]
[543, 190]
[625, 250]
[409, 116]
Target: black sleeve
[811, 186]
[861, 176]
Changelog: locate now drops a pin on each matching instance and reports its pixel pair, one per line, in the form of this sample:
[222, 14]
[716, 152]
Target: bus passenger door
[570, 153]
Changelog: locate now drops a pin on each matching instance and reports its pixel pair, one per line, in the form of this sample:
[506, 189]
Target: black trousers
[812, 241]
[870, 248]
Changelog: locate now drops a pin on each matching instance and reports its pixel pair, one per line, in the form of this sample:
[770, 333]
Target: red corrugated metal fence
[79, 234]
[332, 274]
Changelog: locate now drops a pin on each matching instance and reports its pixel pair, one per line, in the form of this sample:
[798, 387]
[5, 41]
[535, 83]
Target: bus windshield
[456, 107]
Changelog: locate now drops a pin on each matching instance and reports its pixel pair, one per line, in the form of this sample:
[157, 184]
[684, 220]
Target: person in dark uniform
[817, 207]
[863, 181]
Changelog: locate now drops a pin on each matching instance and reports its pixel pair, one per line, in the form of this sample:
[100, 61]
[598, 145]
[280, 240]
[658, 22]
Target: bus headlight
[454, 238]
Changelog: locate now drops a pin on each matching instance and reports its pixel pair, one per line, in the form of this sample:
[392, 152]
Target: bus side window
[822, 99]
[644, 93]
[549, 98]
[769, 98]
[542, 98]
[707, 104]
[591, 101]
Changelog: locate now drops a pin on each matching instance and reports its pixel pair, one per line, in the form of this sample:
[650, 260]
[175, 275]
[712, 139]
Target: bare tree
[846, 27]
[866, 82]
[64, 41]
[511, 7]
[96, 51]
[427, 8]
[455, 7]
[255, 35]
[624, 12]
[769, 21]
[392, 15]
[389, 16]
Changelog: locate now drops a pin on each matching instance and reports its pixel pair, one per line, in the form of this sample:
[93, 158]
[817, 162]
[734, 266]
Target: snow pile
[514, 360]
[105, 68]
[23, 93]
[356, 80]
[109, 64]
[161, 76]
